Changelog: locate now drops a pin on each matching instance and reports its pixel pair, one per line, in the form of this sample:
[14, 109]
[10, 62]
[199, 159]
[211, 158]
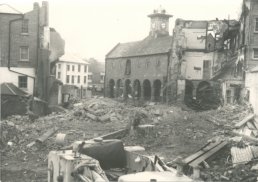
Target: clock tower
[159, 23]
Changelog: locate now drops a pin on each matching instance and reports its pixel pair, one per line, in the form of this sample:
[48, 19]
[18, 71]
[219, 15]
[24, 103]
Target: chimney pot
[35, 5]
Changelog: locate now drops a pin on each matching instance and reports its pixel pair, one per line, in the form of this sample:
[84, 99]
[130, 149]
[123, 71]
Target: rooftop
[11, 89]
[147, 46]
[5, 8]
[72, 58]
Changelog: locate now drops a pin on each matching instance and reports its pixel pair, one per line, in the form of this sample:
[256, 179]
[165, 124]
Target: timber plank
[197, 161]
[46, 135]
[203, 150]
[242, 122]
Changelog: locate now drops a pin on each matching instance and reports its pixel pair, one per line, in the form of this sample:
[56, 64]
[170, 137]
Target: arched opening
[189, 87]
[119, 88]
[147, 90]
[111, 88]
[128, 89]
[157, 90]
[137, 89]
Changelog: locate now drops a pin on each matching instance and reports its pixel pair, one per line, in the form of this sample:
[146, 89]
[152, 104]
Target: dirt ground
[178, 131]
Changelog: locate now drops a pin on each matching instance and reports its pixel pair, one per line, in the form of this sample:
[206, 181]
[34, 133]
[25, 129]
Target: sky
[91, 28]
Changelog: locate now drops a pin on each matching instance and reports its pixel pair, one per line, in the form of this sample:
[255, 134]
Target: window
[24, 53]
[68, 67]
[102, 77]
[25, 26]
[255, 55]
[59, 75]
[72, 67]
[90, 77]
[158, 63]
[79, 68]
[128, 67]
[72, 79]
[85, 79]
[59, 66]
[23, 81]
[78, 80]
[147, 64]
[85, 68]
[67, 78]
[139, 63]
[256, 25]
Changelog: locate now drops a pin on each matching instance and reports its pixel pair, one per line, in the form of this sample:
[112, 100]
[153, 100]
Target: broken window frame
[23, 81]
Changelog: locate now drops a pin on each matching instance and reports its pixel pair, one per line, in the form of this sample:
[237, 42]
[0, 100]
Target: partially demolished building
[204, 63]
[202, 51]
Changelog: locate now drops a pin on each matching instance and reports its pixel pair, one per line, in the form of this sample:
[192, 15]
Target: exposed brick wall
[4, 29]
[18, 39]
[251, 36]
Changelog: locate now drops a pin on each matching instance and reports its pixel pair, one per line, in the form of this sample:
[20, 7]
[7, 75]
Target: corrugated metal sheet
[241, 155]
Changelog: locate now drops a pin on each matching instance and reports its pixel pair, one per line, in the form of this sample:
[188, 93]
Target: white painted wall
[8, 76]
[193, 40]
[195, 59]
[75, 73]
[251, 84]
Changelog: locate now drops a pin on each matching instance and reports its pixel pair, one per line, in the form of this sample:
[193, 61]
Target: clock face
[163, 25]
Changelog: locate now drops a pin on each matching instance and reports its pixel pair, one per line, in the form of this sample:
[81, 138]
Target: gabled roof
[11, 89]
[72, 58]
[147, 46]
[5, 8]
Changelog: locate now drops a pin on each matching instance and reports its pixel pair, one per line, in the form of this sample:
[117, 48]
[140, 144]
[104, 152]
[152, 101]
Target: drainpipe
[169, 70]
[9, 53]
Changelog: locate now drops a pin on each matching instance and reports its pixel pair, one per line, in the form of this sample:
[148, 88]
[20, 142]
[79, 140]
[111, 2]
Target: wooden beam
[46, 135]
[242, 122]
[204, 149]
[197, 161]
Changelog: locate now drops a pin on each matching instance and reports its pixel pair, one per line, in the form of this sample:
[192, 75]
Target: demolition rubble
[215, 145]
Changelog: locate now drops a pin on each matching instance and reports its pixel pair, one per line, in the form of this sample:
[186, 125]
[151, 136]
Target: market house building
[139, 69]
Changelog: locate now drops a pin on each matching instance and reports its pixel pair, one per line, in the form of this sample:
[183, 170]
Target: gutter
[9, 52]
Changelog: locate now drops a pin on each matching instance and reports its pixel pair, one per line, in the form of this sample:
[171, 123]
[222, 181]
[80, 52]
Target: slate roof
[11, 89]
[147, 46]
[72, 58]
[5, 8]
